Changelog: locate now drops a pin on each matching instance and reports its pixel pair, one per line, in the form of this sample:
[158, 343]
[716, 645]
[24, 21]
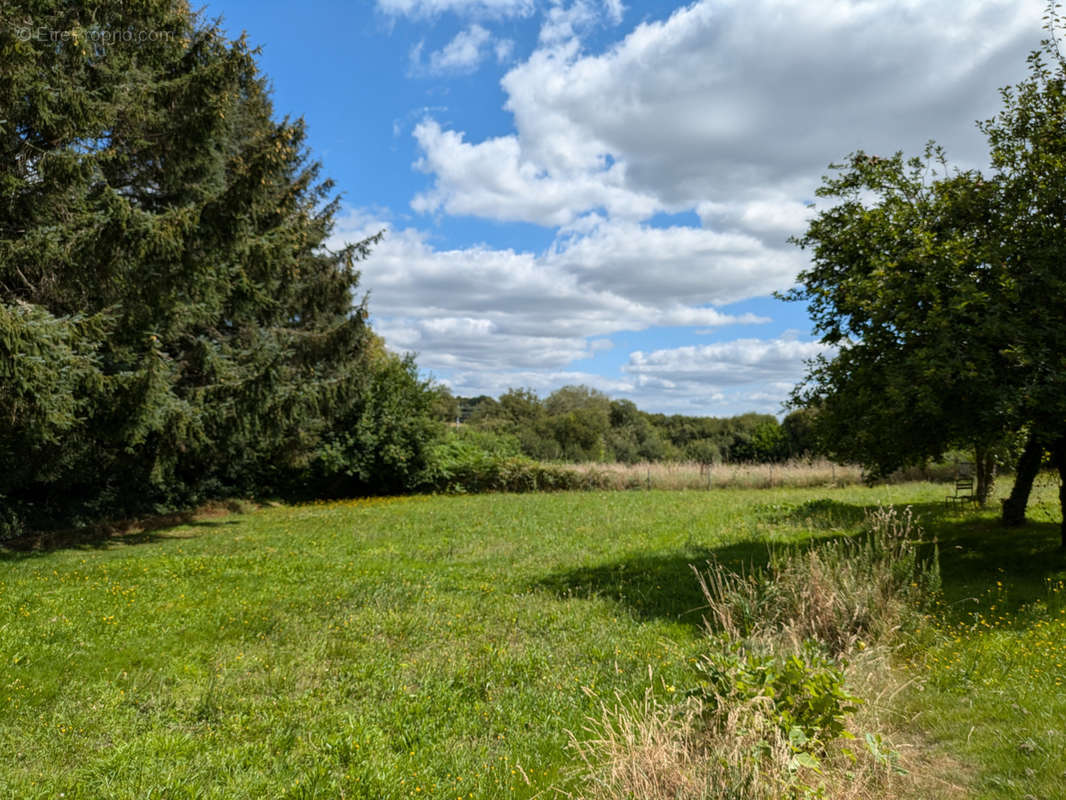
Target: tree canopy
[578, 423]
[943, 294]
[173, 321]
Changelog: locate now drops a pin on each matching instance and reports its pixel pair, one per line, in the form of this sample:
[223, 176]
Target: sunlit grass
[993, 690]
[441, 647]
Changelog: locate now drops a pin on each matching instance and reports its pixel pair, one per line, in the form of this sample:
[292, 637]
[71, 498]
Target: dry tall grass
[800, 473]
[851, 598]
[691, 475]
[840, 594]
[656, 750]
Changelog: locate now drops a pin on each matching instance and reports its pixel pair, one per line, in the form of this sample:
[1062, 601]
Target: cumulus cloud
[563, 22]
[731, 108]
[738, 375]
[677, 264]
[497, 309]
[615, 10]
[494, 180]
[721, 97]
[725, 364]
[503, 50]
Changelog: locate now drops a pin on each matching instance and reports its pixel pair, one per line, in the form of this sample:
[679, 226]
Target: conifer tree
[173, 324]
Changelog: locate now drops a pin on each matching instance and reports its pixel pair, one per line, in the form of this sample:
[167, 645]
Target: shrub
[769, 715]
[11, 526]
[494, 443]
[760, 728]
[460, 464]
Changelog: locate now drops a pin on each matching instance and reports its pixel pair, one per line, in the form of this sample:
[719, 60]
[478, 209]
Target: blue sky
[601, 192]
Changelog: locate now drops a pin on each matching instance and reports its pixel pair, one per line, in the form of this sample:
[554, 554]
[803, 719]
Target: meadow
[458, 646]
[794, 473]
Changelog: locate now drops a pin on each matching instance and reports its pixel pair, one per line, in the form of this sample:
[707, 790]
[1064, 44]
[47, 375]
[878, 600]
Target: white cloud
[487, 320]
[565, 22]
[740, 375]
[489, 309]
[432, 8]
[494, 180]
[677, 264]
[734, 109]
[414, 55]
[725, 364]
[503, 48]
[461, 54]
[728, 109]
[772, 215]
[615, 10]
[725, 96]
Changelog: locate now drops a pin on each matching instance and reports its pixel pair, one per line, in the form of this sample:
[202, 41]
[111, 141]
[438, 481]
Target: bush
[494, 443]
[760, 728]
[11, 526]
[459, 463]
[377, 439]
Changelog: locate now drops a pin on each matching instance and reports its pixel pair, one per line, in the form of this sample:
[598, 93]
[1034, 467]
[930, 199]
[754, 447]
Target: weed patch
[841, 593]
[770, 714]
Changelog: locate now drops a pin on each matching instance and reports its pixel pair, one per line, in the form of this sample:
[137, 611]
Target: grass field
[444, 646]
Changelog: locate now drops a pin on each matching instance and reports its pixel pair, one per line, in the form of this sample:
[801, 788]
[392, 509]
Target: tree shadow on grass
[821, 514]
[100, 537]
[975, 552]
[978, 556]
[661, 586]
[975, 549]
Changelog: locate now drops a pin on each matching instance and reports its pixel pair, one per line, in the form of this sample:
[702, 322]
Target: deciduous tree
[944, 295]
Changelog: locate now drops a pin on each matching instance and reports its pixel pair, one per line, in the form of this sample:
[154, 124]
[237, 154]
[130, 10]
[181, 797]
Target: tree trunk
[1062, 501]
[985, 466]
[1028, 467]
[1058, 457]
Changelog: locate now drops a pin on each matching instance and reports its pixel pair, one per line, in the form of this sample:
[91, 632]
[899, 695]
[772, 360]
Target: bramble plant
[804, 692]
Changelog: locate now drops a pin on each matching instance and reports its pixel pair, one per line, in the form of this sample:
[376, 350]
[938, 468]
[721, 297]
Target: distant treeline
[577, 423]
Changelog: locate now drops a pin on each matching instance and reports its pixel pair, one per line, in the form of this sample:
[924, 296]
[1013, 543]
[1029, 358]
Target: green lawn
[442, 647]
